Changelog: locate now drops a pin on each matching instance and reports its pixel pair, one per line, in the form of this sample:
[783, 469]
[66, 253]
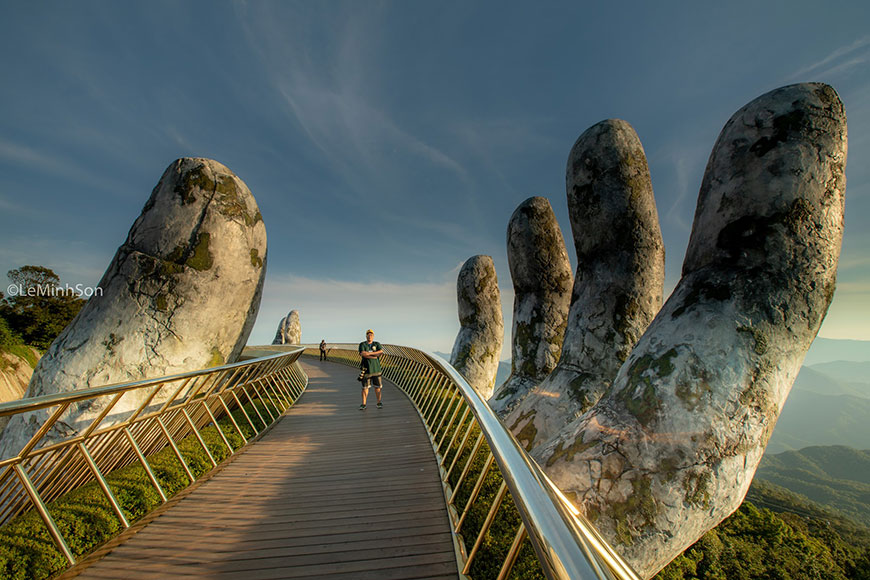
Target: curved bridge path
[329, 492]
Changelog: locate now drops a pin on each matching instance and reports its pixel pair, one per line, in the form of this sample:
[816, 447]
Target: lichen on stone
[256, 260]
[759, 339]
[528, 431]
[702, 289]
[201, 259]
[696, 486]
[567, 453]
[693, 386]
[197, 178]
[636, 513]
[217, 358]
[639, 396]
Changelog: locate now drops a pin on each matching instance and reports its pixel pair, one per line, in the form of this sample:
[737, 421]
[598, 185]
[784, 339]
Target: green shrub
[85, 517]
[7, 337]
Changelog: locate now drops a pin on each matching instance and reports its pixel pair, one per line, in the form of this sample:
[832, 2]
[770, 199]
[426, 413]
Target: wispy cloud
[855, 288]
[44, 162]
[854, 55]
[677, 213]
[9, 207]
[495, 143]
[328, 94]
[848, 316]
[857, 261]
[77, 263]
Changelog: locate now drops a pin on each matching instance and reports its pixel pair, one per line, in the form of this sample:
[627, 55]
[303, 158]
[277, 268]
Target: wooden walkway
[330, 492]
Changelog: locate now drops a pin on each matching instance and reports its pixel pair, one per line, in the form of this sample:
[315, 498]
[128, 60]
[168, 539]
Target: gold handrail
[56, 461]
[479, 497]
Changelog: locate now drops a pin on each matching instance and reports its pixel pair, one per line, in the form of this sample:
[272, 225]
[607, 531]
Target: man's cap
[370, 331]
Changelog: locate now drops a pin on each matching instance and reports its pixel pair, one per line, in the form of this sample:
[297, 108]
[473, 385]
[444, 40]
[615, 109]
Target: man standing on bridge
[370, 350]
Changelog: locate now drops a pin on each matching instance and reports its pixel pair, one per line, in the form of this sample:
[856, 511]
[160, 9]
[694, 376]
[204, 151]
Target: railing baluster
[459, 406]
[474, 492]
[217, 427]
[513, 552]
[43, 430]
[199, 437]
[245, 413]
[435, 407]
[145, 465]
[43, 512]
[449, 397]
[232, 419]
[496, 503]
[176, 450]
[244, 389]
[265, 389]
[101, 481]
[467, 467]
[428, 393]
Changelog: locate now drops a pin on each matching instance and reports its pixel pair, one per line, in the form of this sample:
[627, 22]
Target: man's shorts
[372, 381]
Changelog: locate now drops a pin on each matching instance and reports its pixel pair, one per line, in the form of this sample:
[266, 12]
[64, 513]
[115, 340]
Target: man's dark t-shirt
[370, 365]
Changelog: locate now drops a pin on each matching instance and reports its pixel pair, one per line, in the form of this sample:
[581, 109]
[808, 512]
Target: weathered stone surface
[15, 373]
[289, 329]
[280, 334]
[181, 293]
[671, 449]
[294, 328]
[619, 279]
[478, 344]
[541, 273]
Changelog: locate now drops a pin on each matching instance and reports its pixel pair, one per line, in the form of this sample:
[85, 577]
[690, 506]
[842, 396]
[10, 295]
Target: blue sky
[387, 142]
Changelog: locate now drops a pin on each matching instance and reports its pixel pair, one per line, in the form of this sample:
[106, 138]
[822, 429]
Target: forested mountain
[810, 419]
[832, 349]
[837, 477]
[789, 537]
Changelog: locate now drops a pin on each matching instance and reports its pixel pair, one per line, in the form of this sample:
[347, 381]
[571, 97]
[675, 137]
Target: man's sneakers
[380, 405]
[362, 407]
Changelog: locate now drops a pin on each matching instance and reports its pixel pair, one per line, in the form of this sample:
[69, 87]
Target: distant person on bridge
[370, 366]
[323, 350]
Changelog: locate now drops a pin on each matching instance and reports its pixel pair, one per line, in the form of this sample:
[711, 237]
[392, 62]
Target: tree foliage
[7, 337]
[758, 544]
[38, 311]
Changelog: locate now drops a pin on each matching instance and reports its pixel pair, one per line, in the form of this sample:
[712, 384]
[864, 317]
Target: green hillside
[848, 371]
[810, 419]
[796, 540]
[830, 349]
[832, 379]
[781, 500]
[836, 476]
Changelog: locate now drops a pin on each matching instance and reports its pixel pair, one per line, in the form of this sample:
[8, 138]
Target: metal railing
[173, 409]
[500, 502]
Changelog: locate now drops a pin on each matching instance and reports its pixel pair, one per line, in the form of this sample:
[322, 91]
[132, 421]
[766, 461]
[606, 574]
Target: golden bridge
[267, 469]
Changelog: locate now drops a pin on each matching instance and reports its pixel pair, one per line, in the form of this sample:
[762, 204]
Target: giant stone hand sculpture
[478, 344]
[670, 448]
[618, 285]
[289, 329]
[181, 293]
[541, 273]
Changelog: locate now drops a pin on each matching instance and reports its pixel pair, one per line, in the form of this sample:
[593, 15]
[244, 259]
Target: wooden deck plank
[330, 492]
[170, 551]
